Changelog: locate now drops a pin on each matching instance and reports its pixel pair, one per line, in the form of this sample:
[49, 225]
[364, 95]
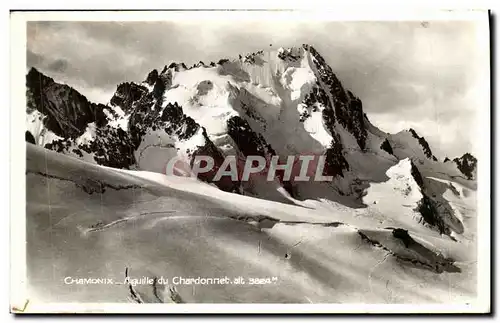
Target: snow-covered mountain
[388, 191]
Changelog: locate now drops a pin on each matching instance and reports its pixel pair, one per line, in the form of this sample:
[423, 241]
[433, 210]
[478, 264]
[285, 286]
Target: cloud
[58, 65]
[406, 73]
[34, 59]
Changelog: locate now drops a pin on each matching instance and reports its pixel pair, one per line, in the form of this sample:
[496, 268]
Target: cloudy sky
[423, 75]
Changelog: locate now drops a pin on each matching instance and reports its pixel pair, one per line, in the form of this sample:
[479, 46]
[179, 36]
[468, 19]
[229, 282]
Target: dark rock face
[176, 123]
[335, 162]
[175, 67]
[248, 142]
[403, 235]
[112, 147]
[67, 111]
[199, 64]
[61, 145]
[127, 94]
[142, 118]
[424, 144]
[387, 147]
[433, 207]
[428, 209]
[159, 88]
[317, 95]
[348, 108]
[446, 159]
[287, 55]
[209, 149]
[29, 138]
[251, 143]
[152, 77]
[467, 165]
[416, 175]
[252, 58]
[172, 120]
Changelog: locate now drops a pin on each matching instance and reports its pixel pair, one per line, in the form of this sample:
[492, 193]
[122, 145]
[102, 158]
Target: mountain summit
[282, 103]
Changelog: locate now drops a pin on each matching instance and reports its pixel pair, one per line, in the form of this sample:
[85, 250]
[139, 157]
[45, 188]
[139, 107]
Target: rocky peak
[178, 66]
[252, 58]
[348, 108]
[66, 111]
[424, 144]
[288, 54]
[34, 77]
[126, 94]
[152, 77]
[467, 165]
[199, 64]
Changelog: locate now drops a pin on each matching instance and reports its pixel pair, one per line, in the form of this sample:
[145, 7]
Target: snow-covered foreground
[90, 221]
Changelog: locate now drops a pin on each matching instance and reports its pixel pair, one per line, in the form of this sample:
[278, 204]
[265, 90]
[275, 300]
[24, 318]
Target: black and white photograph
[279, 161]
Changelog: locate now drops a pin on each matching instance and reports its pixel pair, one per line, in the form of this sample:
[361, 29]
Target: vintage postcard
[265, 161]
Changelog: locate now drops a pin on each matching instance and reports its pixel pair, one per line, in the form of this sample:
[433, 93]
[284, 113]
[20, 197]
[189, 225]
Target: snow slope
[35, 126]
[86, 220]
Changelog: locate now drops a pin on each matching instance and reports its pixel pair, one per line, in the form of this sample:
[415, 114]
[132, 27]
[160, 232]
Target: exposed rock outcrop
[67, 111]
[387, 147]
[424, 144]
[467, 164]
[348, 108]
